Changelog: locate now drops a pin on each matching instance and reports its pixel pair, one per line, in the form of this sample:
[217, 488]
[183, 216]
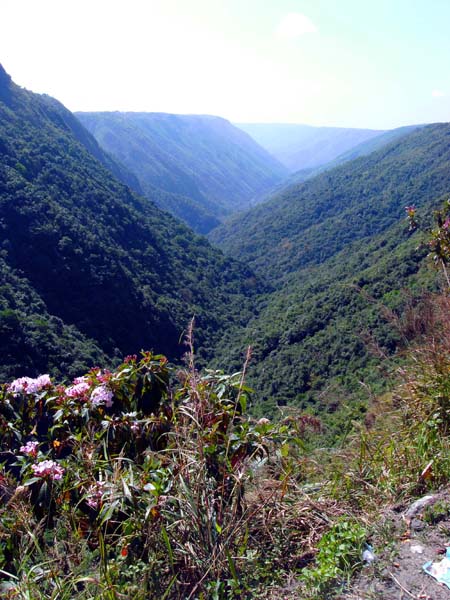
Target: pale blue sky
[359, 63]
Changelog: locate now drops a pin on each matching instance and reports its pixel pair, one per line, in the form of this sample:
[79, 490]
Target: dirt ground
[410, 541]
[406, 537]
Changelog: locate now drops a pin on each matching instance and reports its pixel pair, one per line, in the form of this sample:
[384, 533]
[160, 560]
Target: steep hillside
[339, 255]
[213, 167]
[32, 340]
[304, 146]
[92, 256]
[374, 143]
[329, 328]
[310, 222]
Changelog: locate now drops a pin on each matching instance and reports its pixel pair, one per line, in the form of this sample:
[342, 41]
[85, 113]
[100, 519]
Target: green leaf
[284, 450]
[168, 545]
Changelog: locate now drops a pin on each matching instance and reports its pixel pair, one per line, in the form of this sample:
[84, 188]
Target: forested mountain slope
[32, 340]
[310, 222]
[305, 146]
[91, 258]
[321, 338]
[345, 270]
[213, 167]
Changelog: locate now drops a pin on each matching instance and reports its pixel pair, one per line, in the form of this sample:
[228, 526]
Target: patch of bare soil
[411, 538]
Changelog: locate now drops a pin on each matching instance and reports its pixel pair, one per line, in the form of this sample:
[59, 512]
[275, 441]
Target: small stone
[417, 525]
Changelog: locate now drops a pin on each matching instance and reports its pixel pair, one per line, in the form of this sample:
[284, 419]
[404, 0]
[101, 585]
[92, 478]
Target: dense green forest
[31, 339]
[328, 336]
[346, 273]
[199, 168]
[93, 257]
[308, 223]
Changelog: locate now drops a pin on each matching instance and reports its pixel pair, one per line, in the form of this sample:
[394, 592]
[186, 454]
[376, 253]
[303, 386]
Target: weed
[339, 554]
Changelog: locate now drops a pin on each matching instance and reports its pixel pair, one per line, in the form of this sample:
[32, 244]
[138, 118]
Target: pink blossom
[102, 395]
[19, 385]
[29, 385]
[79, 389]
[30, 449]
[95, 494]
[446, 224]
[43, 381]
[105, 376]
[48, 468]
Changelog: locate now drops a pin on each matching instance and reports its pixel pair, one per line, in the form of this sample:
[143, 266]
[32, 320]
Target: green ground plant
[339, 555]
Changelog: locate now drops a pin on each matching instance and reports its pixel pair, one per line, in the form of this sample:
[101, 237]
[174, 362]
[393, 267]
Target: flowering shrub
[28, 385]
[101, 395]
[94, 495]
[439, 236]
[144, 464]
[48, 468]
[79, 389]
[30, 449]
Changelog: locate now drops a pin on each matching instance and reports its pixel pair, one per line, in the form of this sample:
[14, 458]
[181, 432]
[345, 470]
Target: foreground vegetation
[142, 482]
[150, 482]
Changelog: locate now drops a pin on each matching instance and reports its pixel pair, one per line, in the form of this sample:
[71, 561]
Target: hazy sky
[360, 63]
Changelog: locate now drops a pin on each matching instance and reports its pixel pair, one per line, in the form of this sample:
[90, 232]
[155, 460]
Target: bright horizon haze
[346, 63]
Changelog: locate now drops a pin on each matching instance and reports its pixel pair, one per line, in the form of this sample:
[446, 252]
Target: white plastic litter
[368, 556]
[419, 505]
[440, 570]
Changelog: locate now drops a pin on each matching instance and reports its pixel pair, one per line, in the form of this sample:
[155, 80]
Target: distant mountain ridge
[304, 146]
[212, 167]
[363, 149]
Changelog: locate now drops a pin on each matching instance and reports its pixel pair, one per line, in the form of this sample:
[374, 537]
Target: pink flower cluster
[48, 468]
[130, 358]
[102, 395]
[29, 385]
[103, 376]
[80, 387]
[30, 449]
[95, 495]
